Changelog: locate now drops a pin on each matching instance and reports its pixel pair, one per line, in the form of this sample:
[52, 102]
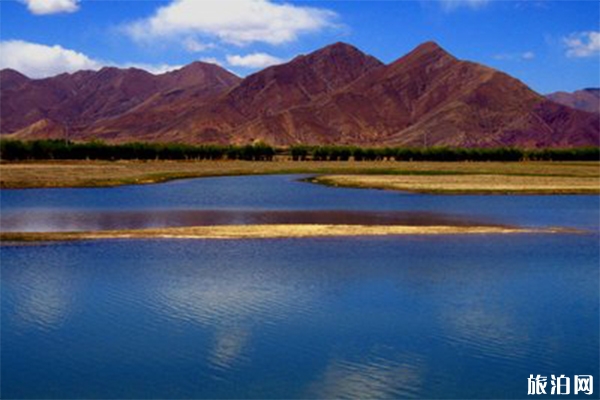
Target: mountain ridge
[81, 98]
[336, 94]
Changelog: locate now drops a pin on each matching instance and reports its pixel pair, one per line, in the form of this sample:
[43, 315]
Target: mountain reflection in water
[56, 221]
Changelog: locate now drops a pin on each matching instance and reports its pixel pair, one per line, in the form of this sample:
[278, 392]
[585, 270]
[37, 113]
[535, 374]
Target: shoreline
[272, 232]
[91, 174]
[488, 184]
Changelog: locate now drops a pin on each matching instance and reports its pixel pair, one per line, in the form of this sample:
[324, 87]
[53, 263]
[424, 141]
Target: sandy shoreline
[270, 231]
[467, 184]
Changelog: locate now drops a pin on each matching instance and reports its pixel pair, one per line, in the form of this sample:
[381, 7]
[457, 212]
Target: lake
[275, 199]
[390, 317]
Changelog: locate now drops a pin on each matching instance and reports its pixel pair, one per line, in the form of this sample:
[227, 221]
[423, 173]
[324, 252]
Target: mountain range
[335, 95]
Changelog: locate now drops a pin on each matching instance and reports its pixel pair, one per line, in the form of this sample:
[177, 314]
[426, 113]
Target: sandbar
[271, 231]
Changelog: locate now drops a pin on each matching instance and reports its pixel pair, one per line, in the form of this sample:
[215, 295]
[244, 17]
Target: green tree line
[14, 150]
[344, 153]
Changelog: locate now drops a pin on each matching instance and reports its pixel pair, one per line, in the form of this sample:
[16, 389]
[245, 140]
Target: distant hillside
[586, 99]
[335, 95]
[75, 101]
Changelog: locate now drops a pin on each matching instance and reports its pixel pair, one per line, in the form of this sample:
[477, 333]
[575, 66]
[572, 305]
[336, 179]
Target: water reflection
[229, 348]
[372, 378]
[443, 317]
[231, 301]
[219, 300]
[76, 220]
[46, 295]
[260, 199]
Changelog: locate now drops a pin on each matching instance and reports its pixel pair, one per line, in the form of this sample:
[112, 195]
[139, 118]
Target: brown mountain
[77, 100]
[343, 96]
[586, 99]
[267, 92]
[428, 97]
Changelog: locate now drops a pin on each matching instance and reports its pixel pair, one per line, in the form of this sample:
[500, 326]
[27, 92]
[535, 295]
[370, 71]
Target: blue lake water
[394, 317]
[264, 199]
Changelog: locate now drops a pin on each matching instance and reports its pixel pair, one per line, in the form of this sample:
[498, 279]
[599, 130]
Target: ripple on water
[354, 317]
[374, 377]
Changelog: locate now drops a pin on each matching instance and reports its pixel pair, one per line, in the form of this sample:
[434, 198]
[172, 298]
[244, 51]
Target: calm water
[253, 199]
[434, 317]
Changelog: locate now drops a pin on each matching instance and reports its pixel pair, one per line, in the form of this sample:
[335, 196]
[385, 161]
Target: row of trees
[14, 150]
[344, 153]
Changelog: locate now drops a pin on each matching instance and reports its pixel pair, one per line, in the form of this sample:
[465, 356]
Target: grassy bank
[267, 231]
[105, 173]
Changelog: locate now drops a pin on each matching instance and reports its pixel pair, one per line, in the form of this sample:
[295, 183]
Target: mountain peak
[298, 81]
[339, 50]
[341, 47]
[10, 79]
[196, 65]
[430, 48]
[200, 73]
[338, 64]
[12, 73]
[428, 53]
[133, 71]
[430, 45]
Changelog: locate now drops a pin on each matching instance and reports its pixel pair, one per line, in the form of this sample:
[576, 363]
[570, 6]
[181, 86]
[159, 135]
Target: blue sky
[549, 45]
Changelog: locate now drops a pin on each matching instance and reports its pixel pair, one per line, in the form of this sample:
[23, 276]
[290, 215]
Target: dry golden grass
[103, 173]
[468, 183]
[267, 231]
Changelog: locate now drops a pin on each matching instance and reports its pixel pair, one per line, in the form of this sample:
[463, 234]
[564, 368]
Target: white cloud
[152, 68]
[44, 7]
[254, 60]
[583, 44]
[238, 22]
[454, 4]
[194, 46]
[41, 61]
[212, 60]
